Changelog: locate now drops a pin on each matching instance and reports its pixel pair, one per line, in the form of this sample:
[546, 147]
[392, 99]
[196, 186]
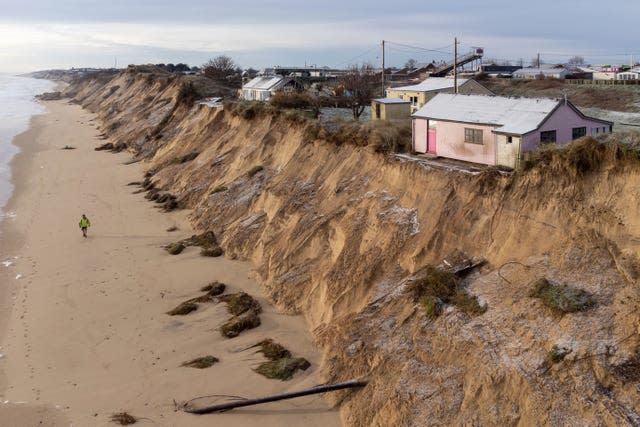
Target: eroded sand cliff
[336, 231]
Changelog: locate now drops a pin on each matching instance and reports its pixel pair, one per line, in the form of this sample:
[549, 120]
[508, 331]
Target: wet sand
[84, 329]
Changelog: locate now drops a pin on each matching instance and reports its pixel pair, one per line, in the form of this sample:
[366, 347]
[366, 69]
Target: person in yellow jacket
[84, 224]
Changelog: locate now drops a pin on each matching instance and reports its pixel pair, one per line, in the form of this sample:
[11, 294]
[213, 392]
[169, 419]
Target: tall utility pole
[538, 60]
[455, 64]
[382, 69]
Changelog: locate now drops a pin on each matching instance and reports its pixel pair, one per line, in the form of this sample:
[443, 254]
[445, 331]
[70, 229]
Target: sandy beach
[83, 323]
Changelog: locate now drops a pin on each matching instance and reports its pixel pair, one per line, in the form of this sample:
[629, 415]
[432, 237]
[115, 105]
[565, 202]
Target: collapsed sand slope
[335, 231]
[88, 331]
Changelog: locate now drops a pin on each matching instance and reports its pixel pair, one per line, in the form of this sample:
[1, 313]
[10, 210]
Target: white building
[261, 88]
[628, 75]
[537, 73]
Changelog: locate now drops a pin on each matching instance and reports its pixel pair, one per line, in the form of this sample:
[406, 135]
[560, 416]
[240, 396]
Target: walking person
[84, 224]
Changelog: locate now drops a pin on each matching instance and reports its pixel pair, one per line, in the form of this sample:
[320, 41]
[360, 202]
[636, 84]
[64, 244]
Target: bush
[437, 287]
[187, 94]
[291, 100]
[562, 298]
[391, 137]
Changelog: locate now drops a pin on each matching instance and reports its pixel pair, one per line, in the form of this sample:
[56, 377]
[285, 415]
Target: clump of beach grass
[123, 418]
[175, 248]
[234, 326]
[240, 303]
[214, 288]
[272, 350]
[212, 251]
[201, 362]
[282, 369]
[562, 298]
[183, 309]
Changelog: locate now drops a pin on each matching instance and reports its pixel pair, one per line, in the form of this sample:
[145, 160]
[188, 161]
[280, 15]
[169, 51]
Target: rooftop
[263, 82]
[511, 115]
[431, 84]
[391, 101]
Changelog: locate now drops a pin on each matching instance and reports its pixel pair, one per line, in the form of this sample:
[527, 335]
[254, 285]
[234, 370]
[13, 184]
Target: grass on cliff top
[562, 298]
[585, 155]
[436, 287]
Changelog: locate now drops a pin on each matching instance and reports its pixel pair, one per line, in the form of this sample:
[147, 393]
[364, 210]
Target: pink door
[431, 141]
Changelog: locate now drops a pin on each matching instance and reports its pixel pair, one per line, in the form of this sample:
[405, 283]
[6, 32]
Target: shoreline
[87, 334]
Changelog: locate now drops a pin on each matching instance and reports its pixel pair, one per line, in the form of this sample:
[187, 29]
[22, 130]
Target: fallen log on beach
[273, 398]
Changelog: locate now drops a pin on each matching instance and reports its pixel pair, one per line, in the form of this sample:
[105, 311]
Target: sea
[17, 106]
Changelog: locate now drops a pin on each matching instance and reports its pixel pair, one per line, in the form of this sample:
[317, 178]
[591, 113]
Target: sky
[44, 34]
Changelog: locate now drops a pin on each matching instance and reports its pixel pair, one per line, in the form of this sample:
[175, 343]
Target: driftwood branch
[273, 398]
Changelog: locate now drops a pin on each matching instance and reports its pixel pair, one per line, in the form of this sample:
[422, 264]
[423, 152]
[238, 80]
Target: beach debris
[201, 362]
[123, 418]
[237, 324]
[183, 309]
[18, 276]
[135, 183]
[282, 369]
[7, 263]
[214, 288]
[240, 401]
[172, 228]
[2, 356]
[240, 303]
[175, 248]
[68, 147]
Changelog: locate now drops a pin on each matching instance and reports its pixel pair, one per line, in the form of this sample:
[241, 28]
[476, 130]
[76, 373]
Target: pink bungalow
[495, 130]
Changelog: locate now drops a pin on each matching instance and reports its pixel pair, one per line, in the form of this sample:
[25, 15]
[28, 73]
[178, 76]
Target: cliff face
[336, 232]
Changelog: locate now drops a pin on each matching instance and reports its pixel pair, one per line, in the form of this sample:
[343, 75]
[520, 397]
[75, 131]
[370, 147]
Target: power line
[355, 58]
[437, 49]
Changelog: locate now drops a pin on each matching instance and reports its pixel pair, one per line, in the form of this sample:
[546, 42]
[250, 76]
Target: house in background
[504, 71]
[262, 88]
[495, 130]
[540, 73]
[419, 94]
[390, 109]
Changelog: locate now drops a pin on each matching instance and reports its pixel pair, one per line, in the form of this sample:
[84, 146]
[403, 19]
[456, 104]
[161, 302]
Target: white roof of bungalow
[431, 84]
[263, 82]
[540, 71]
[392, 101]
[511, 115]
